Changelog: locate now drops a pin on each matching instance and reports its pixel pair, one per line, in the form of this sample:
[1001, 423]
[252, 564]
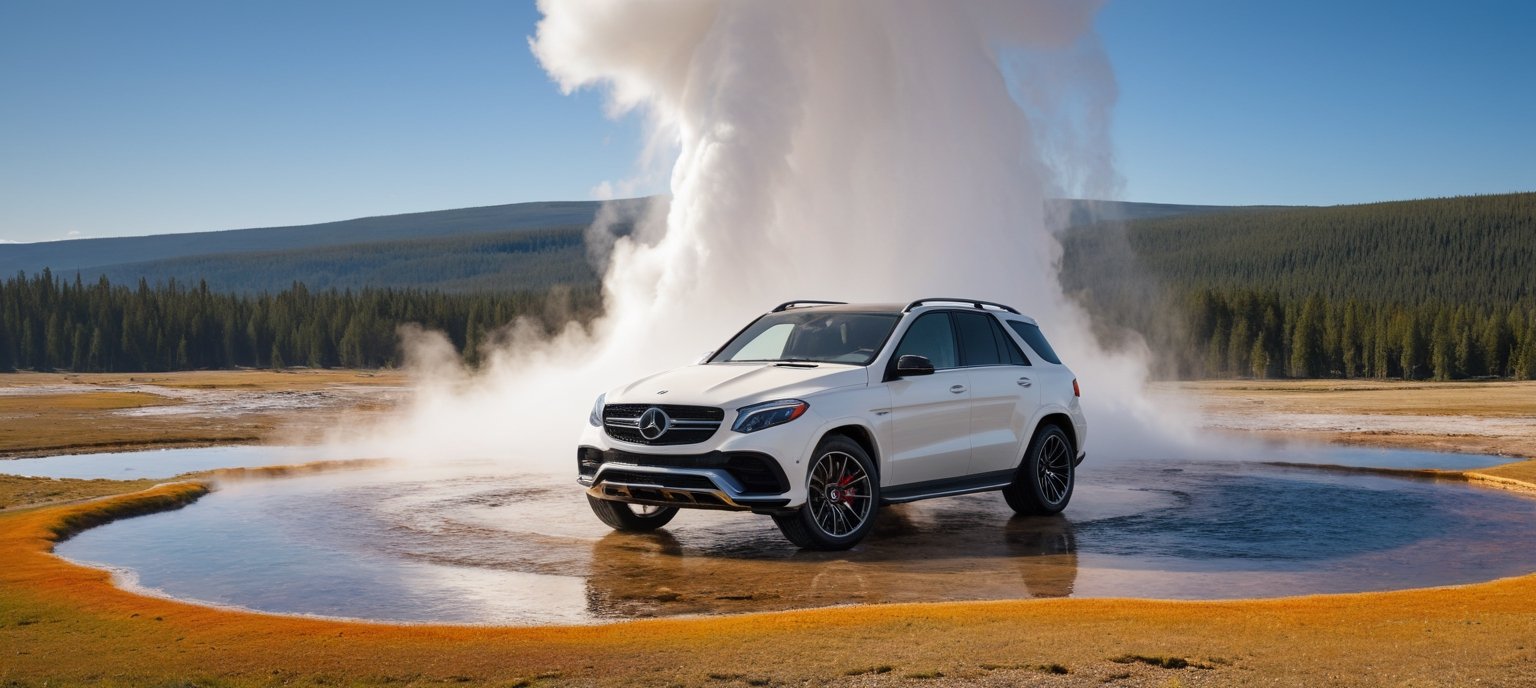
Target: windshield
[852, 338]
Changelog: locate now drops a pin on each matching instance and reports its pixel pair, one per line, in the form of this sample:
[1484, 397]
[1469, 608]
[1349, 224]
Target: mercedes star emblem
[654, 423]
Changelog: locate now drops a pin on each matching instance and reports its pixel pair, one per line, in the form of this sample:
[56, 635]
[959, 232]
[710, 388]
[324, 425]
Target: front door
[930, 414]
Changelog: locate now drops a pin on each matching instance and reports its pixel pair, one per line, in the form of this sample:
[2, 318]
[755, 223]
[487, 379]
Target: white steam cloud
[874, 150]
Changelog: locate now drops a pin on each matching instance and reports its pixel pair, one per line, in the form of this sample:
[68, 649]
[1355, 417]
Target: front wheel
[631, 517]
[841, 500]
[1044, 482]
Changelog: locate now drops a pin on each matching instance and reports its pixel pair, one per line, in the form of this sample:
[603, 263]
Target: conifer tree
[1307, 342]
[1259, 358]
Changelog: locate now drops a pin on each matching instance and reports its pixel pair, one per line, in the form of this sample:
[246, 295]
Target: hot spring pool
[465, 544]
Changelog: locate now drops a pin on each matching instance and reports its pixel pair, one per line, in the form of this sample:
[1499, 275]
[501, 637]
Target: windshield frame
[896, 319]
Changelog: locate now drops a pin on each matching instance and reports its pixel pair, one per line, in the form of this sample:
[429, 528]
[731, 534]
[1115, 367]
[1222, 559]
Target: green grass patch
[1160, 661]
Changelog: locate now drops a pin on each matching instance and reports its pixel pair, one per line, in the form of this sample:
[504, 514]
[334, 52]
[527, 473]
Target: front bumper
[745, 481]
[760, 471]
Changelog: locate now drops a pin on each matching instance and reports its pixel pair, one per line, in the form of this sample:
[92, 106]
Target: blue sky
[153, 116]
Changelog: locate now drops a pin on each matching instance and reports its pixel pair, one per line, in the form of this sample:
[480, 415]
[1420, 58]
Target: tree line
[1242, 333]
[1467, 249]
[1429, 289]
[48, 323]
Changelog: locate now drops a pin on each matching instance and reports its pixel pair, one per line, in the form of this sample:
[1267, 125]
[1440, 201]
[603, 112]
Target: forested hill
[1467, 249]
[1442, 288]
[89, 256]
[498, 248]
[508, 261]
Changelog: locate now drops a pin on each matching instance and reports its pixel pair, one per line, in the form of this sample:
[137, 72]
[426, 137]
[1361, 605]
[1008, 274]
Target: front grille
[686, 424]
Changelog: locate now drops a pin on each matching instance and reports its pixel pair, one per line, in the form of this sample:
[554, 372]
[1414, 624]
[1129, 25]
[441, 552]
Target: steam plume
[862, 150]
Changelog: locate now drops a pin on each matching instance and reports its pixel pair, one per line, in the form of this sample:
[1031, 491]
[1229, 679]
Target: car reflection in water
[914, 554]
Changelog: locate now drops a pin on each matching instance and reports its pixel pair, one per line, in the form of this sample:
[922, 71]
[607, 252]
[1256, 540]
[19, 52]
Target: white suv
[819, 412]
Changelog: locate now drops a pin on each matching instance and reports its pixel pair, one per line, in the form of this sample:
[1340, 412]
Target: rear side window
[932, 337]
[978, 343]
[1032, 335]
[1006, 346]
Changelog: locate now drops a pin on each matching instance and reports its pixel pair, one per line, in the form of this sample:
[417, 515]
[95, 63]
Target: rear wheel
[1044, 482]
[631, 517]
[841, 500]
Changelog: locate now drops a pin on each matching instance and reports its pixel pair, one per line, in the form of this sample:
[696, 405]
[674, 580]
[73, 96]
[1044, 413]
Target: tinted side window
[978, 346]
[1035, 338]
[1005, 344]
[930, 336]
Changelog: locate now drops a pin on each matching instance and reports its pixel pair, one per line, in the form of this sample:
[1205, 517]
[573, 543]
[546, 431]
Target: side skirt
[911, 492]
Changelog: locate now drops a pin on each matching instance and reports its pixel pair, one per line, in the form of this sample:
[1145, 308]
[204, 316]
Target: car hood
[735, 384]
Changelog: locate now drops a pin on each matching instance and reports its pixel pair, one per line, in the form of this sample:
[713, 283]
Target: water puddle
[158, 463]
[467, 546]
[1370, 457]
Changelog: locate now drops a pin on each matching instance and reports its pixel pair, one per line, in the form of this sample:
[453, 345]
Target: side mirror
[910, 365]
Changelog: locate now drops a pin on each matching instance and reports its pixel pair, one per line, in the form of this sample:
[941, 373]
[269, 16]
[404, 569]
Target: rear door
[930, 414]
[1004, 395]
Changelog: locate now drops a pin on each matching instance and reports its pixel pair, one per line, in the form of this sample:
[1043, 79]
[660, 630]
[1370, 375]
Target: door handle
[1025, 382]
[957, 389]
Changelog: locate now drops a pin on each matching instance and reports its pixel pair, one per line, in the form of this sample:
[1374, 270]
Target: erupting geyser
[861, 151]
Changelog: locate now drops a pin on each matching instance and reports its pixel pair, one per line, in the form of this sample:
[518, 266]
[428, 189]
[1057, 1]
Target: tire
[631, 517]
[1045, 479]
[843, 495]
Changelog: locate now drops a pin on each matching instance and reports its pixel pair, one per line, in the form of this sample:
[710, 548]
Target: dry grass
[1495, 399]
[42, 413]
[1450, 415]
[70, 424]
[17, 492]
[292, 379]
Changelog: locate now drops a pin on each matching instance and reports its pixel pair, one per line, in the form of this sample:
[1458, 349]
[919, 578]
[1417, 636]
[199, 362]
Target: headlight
[596, 419]
[768, 414]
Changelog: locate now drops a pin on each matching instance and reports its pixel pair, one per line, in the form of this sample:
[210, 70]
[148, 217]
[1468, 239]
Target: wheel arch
[1060, 420]
[860, 435]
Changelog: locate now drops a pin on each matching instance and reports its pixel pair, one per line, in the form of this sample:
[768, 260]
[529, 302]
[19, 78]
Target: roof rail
[796, 304]
[945, 299]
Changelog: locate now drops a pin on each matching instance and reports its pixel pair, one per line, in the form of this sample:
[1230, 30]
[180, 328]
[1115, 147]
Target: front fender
[859, 422]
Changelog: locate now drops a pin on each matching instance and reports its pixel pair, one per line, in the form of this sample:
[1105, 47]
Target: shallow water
[1370, 457]
[158, 463]
[166, 463]
[464, 545]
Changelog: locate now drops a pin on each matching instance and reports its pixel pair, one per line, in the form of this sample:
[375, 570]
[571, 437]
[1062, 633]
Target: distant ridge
[86, 255]
[519, 246]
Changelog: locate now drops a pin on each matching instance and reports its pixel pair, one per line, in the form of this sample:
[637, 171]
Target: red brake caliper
[845, 493]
